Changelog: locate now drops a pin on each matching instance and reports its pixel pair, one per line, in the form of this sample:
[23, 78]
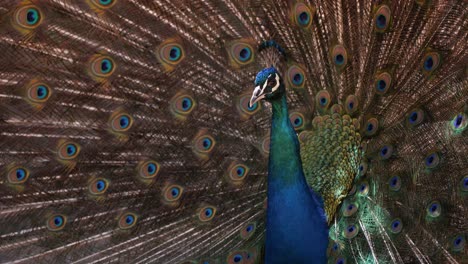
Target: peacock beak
[256, 96]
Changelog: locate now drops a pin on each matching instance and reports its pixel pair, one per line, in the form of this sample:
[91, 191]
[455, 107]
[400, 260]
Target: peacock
[237, 131]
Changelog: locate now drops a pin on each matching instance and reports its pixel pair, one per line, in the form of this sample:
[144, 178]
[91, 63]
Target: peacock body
[135, 131]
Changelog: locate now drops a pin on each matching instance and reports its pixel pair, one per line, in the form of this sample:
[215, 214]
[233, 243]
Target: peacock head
[268, 86]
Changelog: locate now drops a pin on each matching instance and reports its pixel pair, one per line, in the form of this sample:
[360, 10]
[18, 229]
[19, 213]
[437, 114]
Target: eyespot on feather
[458, 243]
[27, 17]
[56, 222]
[350, 209]
[297, 120]
[431, 62]
[434, 209]
[68, 150]
[101, 67]
[38, 92]
[148, 169]
[351, 104]
[302, 15]
[459, 123]
[120, 121]
[371, 126]
[415, 117]
[237, 257]
[383, 83]
[237, 172]
[323, 99]
[295, 77]
[339, 56]
[182, 105]
[350, 231]
[394, 183]
[102, 4]
[248, 230]
[170, 53]
[432, 160]
[385, 152]
[98, 186]
[382, 18]
[127, 220]
[363, 188]
[206, 213]
[241, 53]
[203, 143]
[18, 175]
[396, 226]
[173, 193]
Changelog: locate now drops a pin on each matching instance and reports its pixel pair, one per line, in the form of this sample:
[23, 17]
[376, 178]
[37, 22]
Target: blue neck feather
[296, 228]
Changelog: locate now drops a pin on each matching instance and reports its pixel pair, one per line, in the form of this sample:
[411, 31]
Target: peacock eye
[148, 169]
[69, 150]
[432, 160]
[206, 213]
[434, 209]
[18, 175]
[350, 231]
[121, 122]
[28, 17]
[248, 230]
[56, 222]
[395, 183]
[173, 193]
[464, 184]
[396, 226]
[127, 220]
[98, 186]
[458, 243]
[386, 152]
[350, 209]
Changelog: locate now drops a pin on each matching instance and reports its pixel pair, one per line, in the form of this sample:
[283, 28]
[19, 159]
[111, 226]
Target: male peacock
[127, 135]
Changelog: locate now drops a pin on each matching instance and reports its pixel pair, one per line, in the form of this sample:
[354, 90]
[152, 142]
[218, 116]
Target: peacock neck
[296, 228]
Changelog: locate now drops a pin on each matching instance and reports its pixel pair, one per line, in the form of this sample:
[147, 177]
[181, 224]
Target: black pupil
[414, 116]
[185, 104]
[381, 20]
[384, 151]
[31, 16]
[429, 62]
[394, 182]
[303, 16]
[297, 77]
[339, 58]
[104, 66]
[297, 121]
[57, 221]
[151, 169]
[430, 159]
[351, 229]
[207, 212]
[174, 192]
[244, 53]
[370, 127]
[40, 92]
[173, 53]
[382, 84]
[351, 105]
[205, 143]
[323, 100]
[123, 122]
[433, 208]
[395, 224]
[100, 185]
[70, 150]
[458, 121]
